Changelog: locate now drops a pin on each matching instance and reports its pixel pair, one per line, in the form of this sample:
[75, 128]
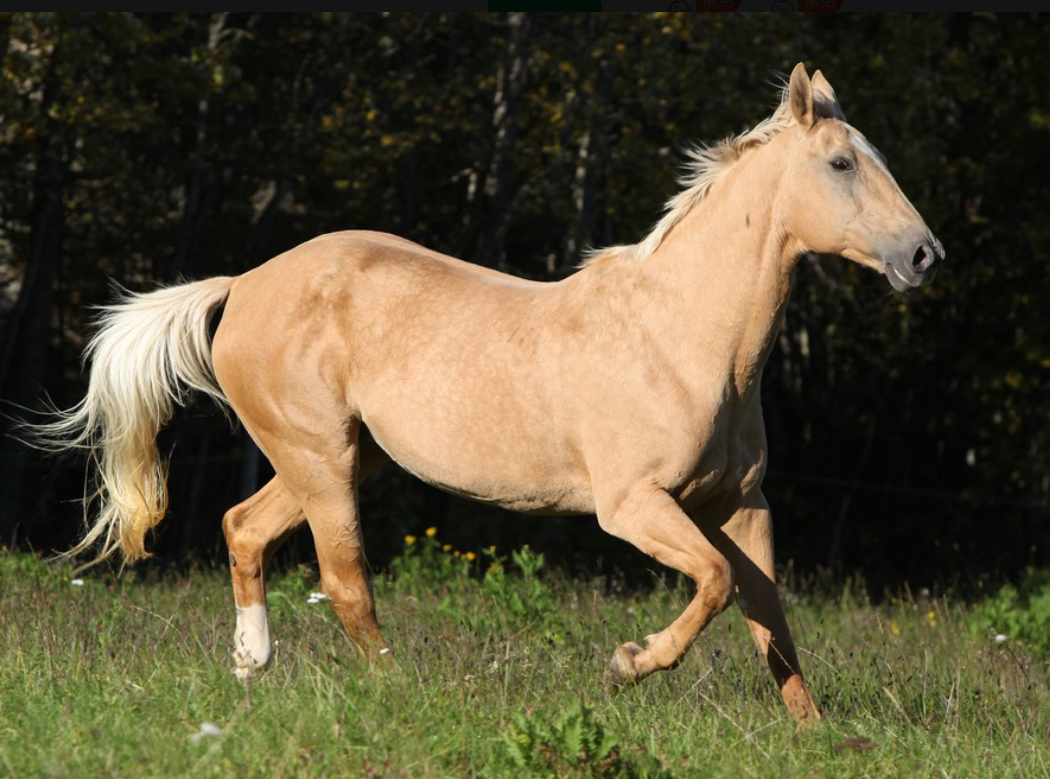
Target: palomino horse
[629, 390]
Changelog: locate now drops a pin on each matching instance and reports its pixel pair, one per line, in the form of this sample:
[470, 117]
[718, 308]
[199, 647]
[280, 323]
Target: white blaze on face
[251, 639]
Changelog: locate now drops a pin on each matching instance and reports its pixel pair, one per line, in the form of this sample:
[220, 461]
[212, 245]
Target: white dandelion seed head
[208, 730]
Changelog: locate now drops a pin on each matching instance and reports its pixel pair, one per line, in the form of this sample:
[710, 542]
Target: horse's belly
[525, 500]
[498, 470]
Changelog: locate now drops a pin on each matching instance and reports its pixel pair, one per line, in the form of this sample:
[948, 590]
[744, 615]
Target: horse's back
[357, 251]
[354, 280]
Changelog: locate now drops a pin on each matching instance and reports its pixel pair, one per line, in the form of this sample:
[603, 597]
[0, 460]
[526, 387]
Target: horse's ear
[824, 99]
[800, 95]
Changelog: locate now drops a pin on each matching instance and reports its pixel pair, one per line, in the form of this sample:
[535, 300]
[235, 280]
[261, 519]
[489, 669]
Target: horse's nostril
[922, 259]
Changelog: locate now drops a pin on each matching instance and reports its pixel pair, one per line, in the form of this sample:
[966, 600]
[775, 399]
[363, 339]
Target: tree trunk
[198, 187]
[23, 352]
[499, 185]
[590, 157]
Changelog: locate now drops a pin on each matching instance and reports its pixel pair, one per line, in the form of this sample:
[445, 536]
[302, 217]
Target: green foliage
[425, 563]
[291, 592]
[528, 599]
[471, 592]
[117, 677]
[575, 745]
[1020, 613]
[25, 568]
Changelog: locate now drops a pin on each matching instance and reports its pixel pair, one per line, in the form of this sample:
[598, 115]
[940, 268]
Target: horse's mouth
[905, 268]
[905, 280]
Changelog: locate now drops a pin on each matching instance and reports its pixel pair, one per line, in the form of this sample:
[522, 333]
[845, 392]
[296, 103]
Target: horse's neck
[730, 264]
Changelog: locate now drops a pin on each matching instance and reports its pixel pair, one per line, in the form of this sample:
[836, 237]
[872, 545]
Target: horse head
[842, 198]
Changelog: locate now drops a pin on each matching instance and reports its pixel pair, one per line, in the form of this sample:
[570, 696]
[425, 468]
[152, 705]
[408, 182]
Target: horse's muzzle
[914, 267]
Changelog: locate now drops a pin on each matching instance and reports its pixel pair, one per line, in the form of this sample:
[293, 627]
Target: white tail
[148, 350]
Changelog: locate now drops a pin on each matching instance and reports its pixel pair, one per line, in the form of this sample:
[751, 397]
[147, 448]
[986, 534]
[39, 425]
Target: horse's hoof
[621, 670]
[799, 702]
[246, 667]
[244, 674]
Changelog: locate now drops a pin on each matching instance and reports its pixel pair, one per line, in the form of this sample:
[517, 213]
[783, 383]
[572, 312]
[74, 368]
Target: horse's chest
[725, 464]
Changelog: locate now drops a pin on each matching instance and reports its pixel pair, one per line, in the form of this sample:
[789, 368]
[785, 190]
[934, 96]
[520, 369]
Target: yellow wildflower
[471, 556]
[894, 629]
[409, 540]
[446, 548]
[431, 532]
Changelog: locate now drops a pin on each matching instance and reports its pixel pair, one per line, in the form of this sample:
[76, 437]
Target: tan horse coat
[630, 389]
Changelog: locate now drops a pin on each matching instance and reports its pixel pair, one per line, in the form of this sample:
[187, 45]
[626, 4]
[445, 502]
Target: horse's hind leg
[341, 553]
[322, 471]
[254, 530]
[652, 521]
[747, 542]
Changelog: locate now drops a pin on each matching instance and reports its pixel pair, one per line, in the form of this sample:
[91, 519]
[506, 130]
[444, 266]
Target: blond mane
[705, 166]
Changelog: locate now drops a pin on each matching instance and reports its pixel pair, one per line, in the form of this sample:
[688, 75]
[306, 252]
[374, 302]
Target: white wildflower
[77, 582]
[208, 730]
[1000, 638]
[317, 597]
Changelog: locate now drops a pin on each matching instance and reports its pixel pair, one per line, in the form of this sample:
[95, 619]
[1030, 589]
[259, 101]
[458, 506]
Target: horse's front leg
[746, 540]
[650, 519]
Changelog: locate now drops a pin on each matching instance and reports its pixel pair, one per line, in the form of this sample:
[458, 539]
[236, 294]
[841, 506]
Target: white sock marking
[252, 637]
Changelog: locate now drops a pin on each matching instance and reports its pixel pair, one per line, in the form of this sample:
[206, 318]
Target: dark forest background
[909, 435]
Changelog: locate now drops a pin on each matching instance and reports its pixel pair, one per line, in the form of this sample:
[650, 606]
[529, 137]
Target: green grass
[495, 676]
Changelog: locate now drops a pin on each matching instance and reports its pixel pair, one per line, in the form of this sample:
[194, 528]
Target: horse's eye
[842, 164]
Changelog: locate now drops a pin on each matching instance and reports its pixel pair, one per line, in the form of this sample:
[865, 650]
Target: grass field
[497, 674]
